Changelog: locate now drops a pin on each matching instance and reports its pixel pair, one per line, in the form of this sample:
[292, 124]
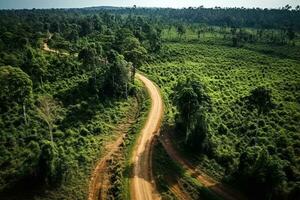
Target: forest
[229, 77]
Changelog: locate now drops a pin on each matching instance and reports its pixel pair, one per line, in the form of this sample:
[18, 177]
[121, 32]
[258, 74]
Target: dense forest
[57, 107]
[232, 17]
[230, 80]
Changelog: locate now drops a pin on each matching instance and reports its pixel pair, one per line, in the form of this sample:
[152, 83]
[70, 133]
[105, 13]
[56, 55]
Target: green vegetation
[192, 103]
[58, 109]
[254, 107]
[230, 79]
[167, 173]
[120, 164]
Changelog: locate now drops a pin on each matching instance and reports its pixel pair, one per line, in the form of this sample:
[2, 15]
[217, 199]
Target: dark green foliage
[87, 56]
[15, 87]
[261, 98]
[264, 172]
[192, 103]
[117, 78]
[181, 30]
[238, 17]
[232, 52]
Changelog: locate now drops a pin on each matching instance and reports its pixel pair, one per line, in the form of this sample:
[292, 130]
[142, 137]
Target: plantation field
[229, 74]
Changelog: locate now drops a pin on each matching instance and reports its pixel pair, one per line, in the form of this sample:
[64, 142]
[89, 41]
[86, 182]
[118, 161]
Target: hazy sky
[10, 4]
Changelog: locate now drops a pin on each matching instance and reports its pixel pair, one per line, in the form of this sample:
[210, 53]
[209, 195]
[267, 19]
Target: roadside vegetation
[174, 174]
[230, 79]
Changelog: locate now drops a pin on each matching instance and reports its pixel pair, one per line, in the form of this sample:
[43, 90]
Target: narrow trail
[142, 182]
[218, 188]
[99, 182]
[178, 192]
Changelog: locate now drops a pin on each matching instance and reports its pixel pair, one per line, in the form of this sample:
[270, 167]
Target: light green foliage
[234, 76]
[47, 110]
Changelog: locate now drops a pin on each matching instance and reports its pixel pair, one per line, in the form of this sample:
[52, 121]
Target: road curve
[142, 183]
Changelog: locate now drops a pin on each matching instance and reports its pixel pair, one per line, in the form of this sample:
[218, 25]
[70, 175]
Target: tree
[264, 172]
[117, 76]
[87, 56]
[287, 7]
[134, 53]
[235, 37]
[73, 35]
[48, 110]
[48, 162]
[181, 30]
[86, 27]
[291, 33]
[154, 41]
[15, 88]
[261, 98]
[199, 130]
[191, 101]
[199, 31]
[35, 65]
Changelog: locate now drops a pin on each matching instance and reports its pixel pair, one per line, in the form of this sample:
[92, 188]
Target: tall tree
[15, 88]
[87, 56]
[135, 53]
[117, 76]
[191, 101]
[48, 110]
[181, 30]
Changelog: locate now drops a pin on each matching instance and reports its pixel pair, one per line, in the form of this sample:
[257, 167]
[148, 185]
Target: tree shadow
[27, 188]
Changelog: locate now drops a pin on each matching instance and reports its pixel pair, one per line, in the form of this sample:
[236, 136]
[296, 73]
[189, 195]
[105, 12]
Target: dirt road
[46, 48]
[219, 189]
[142, 183]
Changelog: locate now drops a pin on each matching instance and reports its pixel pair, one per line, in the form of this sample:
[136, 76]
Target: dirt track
[221, 190]
[46, 48]
[142, 182]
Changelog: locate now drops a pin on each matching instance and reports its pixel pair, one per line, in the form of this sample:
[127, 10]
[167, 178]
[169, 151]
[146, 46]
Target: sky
[19, 4]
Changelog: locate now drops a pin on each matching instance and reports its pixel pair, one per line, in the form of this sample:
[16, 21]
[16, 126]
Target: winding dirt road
[142, 182]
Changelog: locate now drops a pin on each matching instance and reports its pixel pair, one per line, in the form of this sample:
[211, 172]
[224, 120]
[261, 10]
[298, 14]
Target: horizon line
[148, 7]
